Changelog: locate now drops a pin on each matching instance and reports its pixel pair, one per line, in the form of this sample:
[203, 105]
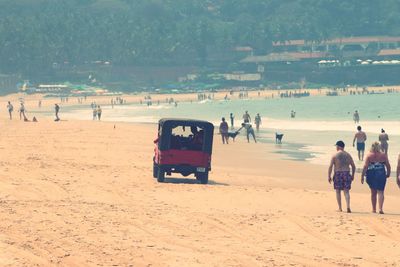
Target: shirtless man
[361, 137]
[246, 117]
[384, 138]
[342, 178]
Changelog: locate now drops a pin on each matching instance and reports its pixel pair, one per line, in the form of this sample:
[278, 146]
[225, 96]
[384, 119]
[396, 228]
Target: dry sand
[82, 194]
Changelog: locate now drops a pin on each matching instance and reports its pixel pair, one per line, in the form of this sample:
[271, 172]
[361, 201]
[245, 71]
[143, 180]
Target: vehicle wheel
[155, 170]
[202, 177]
[160, 175]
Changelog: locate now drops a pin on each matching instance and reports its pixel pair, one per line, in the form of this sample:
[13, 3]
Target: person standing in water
[376, 170]
[342, 178]
[94, 113]
[361, 137]
[356, 117]
[57, 110]
[246, 117]
[223, 130]
[258, 121]
[99, 111]
[383, 139]
[232, 117]
[10, 109]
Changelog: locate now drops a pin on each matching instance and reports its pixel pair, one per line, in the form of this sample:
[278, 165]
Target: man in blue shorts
[360, 137]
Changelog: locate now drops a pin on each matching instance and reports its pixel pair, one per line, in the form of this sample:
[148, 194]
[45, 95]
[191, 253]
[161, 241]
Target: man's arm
[353, 168]
[330, 170]
[365, 136]
[398, 172]
[354, 140]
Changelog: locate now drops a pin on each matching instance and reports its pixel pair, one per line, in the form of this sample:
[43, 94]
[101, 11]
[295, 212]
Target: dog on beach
[278, 138]
[233, 135]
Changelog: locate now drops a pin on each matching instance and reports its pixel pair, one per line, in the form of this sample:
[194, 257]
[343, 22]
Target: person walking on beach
[384, 138]
[22, 112]
[356, 117]
[258, 121]
[232, 117]
[57, 110]
[94, 113]
[376, 170]
[249, 131]
[361, 137]
[223, 130]
[246, 117]
[10, 109]
[342, 178]
[99, 112]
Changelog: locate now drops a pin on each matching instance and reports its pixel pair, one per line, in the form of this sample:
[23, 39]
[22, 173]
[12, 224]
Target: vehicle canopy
[166, 127]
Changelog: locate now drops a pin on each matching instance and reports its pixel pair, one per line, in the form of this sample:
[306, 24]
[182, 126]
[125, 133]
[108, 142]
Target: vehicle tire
[155, 170]
[202, 177]
[160, 175]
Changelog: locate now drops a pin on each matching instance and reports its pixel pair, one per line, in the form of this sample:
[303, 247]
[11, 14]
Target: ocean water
[320, 120]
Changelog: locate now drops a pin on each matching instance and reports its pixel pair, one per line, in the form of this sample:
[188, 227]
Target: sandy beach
[79, 193]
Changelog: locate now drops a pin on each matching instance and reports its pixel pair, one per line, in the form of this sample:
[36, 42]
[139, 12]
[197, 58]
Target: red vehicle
[185, 147]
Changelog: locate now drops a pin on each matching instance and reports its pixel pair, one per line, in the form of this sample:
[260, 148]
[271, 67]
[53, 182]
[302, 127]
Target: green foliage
[36, 34]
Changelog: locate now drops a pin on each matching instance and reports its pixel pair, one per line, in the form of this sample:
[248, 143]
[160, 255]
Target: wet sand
[78, 193]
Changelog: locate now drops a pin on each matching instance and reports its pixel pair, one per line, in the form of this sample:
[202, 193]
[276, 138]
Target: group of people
[375, 172]
[224, 127]
[96, 112]
[361, 137]
[21, 110]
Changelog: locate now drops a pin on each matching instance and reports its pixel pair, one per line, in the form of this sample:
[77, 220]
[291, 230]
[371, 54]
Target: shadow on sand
[173, 180]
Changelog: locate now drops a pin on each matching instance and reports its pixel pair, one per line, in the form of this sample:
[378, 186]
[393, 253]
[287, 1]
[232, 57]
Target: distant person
[246, 117]
[383, 139]
[57, 110]
[40, 103]
[22, 111]
[360, 137]
[356, 117]
[293, 114]
[376, 170]
[258, 121]
[249, 131]
[94, 113]
[232, 117]
[10, 109]
[223, 130]
[342, 178]
[99, 111]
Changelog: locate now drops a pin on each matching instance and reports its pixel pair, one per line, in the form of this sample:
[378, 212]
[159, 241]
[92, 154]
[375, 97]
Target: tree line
[36, 34]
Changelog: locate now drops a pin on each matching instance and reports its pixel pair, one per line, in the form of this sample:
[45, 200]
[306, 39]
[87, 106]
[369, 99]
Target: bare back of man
[344, 169]
[360, 137]
[342, 161]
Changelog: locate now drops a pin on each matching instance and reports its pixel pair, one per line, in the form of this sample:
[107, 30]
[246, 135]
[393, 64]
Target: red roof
[389, 52]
